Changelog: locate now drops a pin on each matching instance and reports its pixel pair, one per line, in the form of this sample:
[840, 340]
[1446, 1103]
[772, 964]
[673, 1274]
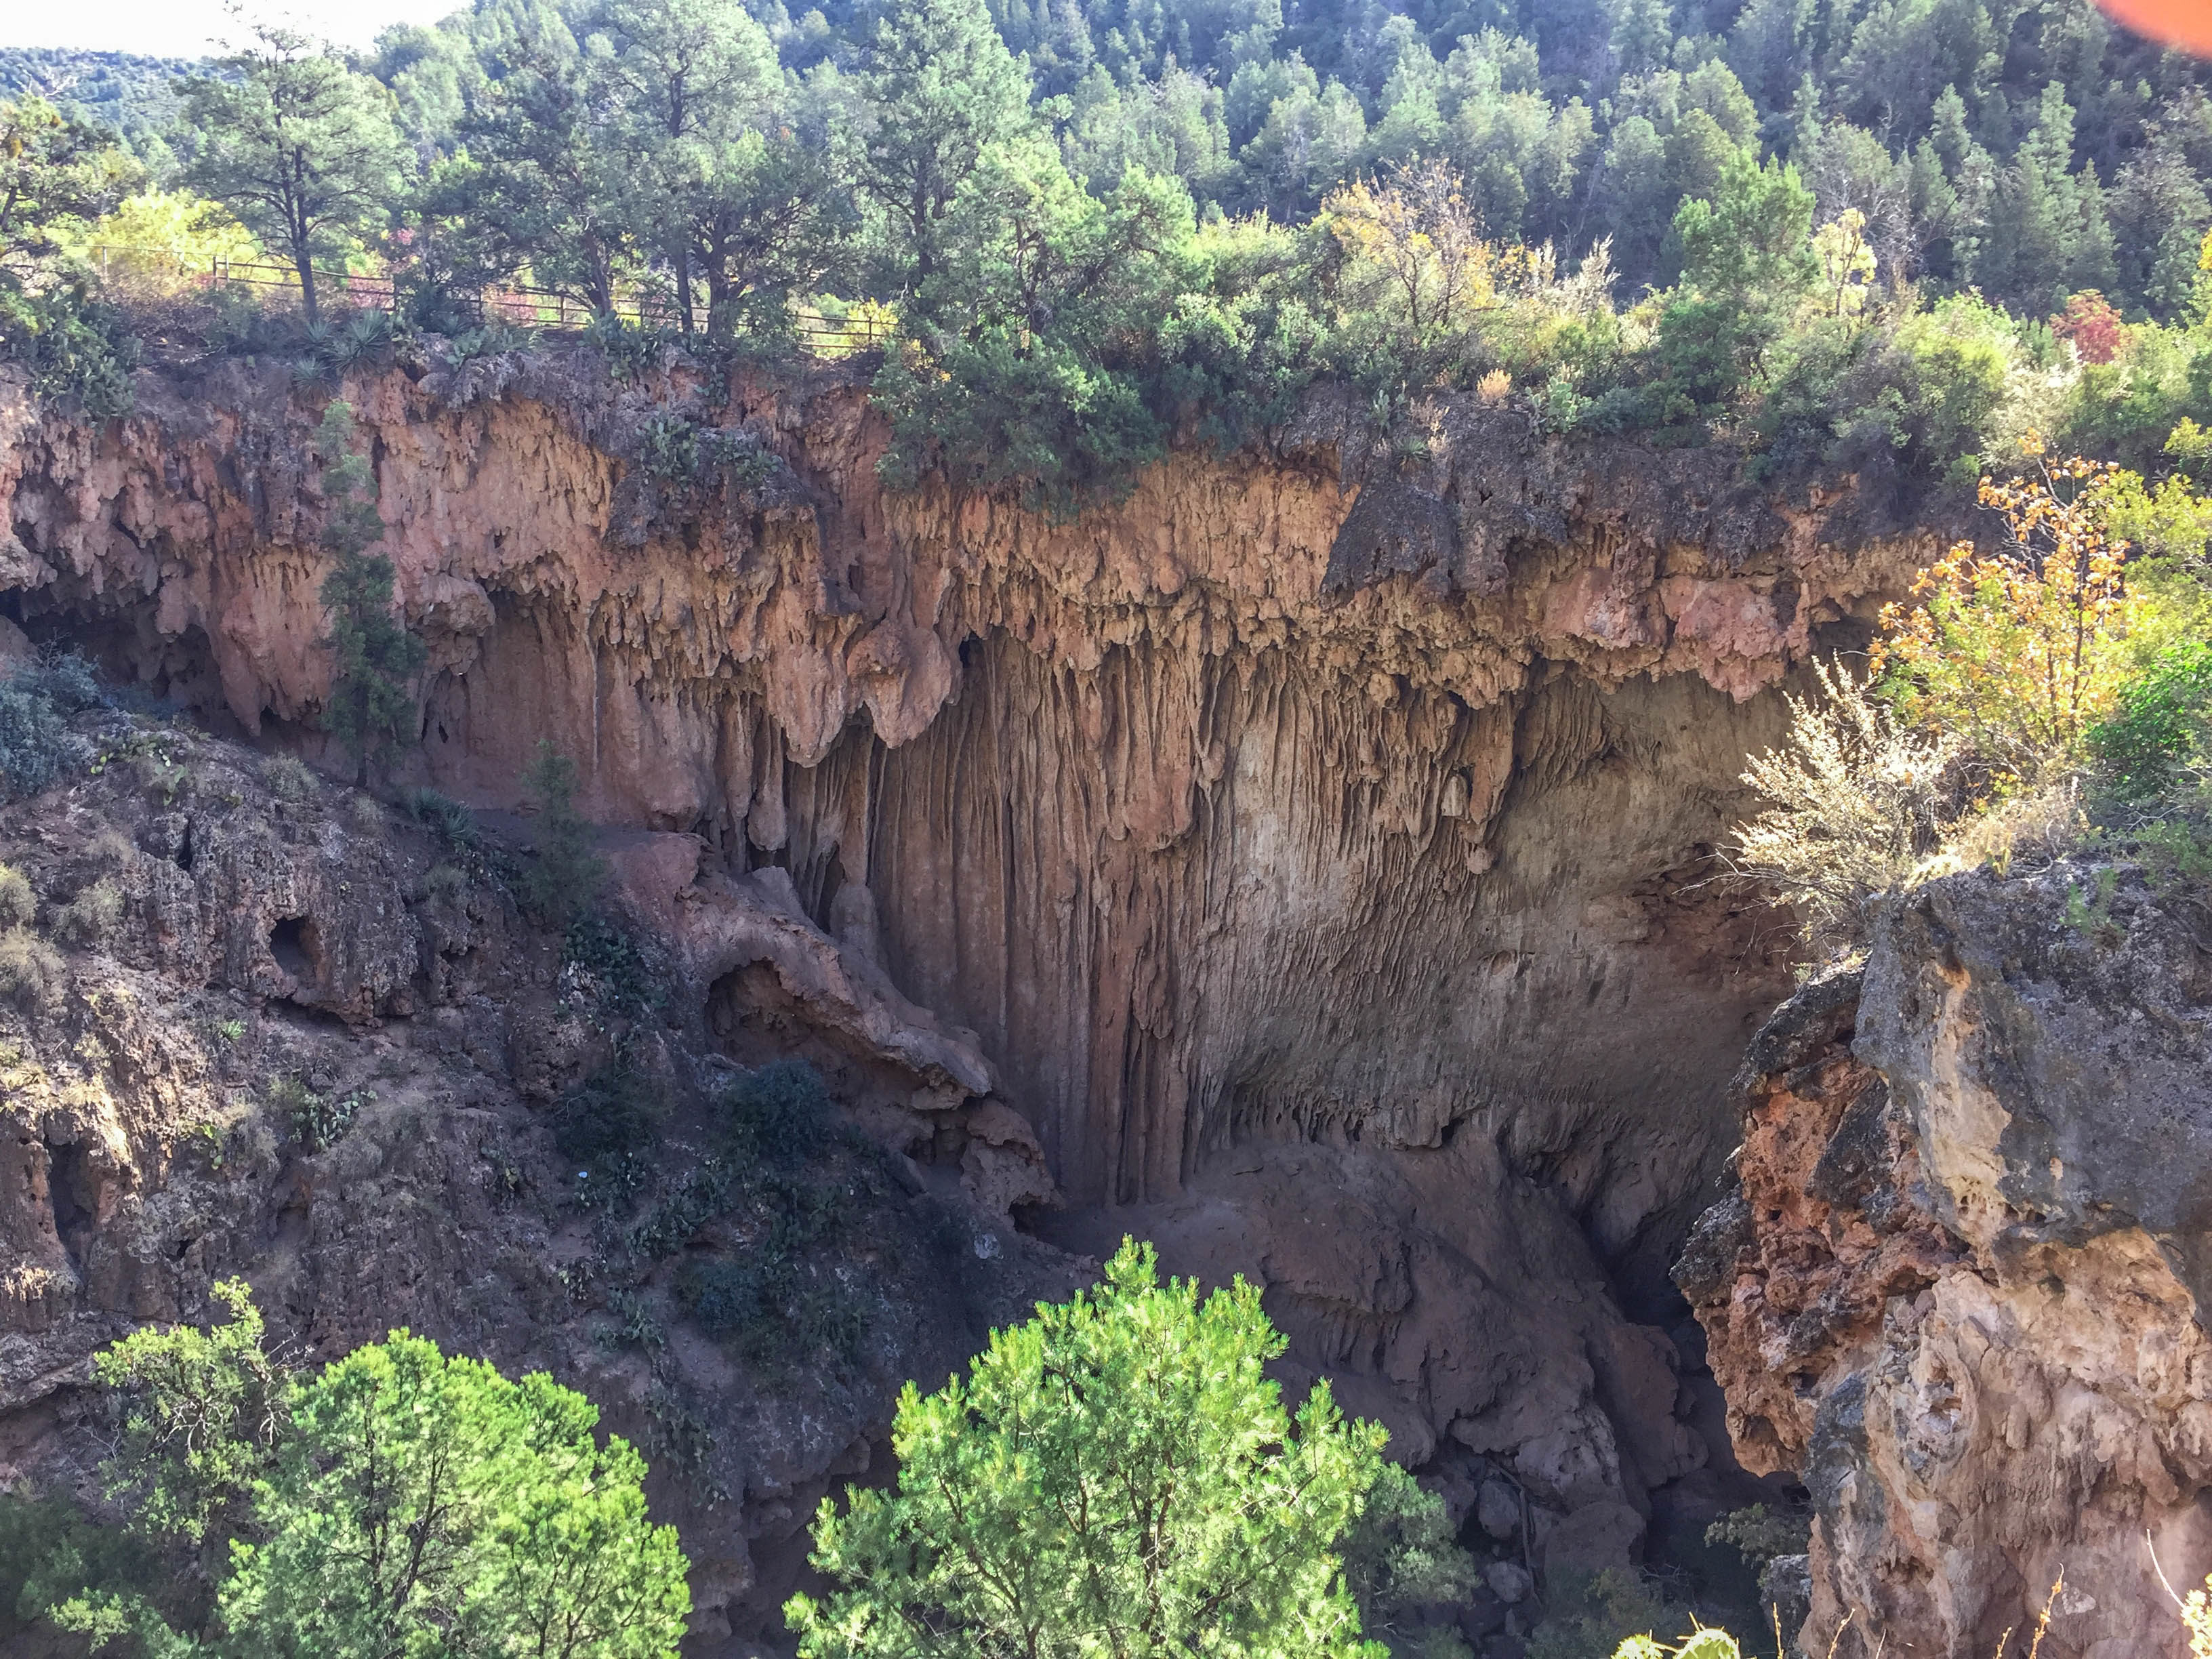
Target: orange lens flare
[2184, 23]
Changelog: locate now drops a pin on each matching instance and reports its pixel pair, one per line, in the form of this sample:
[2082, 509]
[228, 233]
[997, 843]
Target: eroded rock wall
[307, 1043]
[1959, 1289]
[1302, 834]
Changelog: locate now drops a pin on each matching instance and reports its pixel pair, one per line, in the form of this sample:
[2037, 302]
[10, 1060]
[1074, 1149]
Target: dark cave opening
[297, 948]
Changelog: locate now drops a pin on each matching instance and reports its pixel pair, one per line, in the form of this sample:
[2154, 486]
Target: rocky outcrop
[1311, 832]
[307, 1042]
[1960, 1286]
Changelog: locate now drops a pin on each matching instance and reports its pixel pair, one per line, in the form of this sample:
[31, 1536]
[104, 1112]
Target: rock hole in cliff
[70, 1187]
[297, 948]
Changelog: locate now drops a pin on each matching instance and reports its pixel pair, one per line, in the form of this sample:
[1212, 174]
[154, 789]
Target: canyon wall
[1960, 1286]
[1315, 843]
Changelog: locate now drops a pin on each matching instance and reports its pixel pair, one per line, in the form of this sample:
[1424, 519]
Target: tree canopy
[1116, 1476]
[399, 1500]
[1817, 231]
[301, 147]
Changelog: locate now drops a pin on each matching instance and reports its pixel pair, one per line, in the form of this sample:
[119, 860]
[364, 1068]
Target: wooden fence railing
[526, 307]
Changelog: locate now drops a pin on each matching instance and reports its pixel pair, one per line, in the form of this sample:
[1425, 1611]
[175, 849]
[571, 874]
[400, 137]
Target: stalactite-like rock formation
[1317, 844]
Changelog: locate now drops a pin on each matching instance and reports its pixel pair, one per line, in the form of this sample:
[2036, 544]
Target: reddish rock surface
[1306, 856]
[1960, 1287]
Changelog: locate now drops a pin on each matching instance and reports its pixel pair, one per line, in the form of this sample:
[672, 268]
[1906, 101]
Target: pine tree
[2048, 237]
[568, 874]
[942, 87]
[691, 85]
[1118, 1475]
[301, 147]
[375, 659]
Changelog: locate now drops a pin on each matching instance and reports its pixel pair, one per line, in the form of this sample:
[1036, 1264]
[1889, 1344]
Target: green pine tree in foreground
[375, 658]
[399, 1501]
[1116, 1477]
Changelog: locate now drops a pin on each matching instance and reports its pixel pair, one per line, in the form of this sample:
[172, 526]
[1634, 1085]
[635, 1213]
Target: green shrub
[37, 748]
[2127, 408]
[317, 1121]
[610, 958]
[445, 818]
[1400, 1557]
[50, 1550]
[772, 1308]
[568, 874]
[75, 348]
[606, 1118]
[1759, 1533]
[1588, 1618]
[780, 1112]
[92, 916]
[2160, 722]
[18, 904]
[704, 1193]
[160, 776]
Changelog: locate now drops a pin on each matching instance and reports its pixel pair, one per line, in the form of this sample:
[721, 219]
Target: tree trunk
[718, 296]
[681, 258]
[302, 258]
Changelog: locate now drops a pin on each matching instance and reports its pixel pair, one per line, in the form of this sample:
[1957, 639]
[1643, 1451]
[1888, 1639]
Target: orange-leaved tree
[2017, 652]
[1415, 256]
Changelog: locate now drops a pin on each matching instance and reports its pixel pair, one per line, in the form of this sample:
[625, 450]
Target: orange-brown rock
[1959, 1289]
[1311, 846]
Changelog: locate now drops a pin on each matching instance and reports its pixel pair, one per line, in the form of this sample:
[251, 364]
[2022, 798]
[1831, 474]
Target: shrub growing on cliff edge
[375, 658]
[399, 1500]
[1855, 805]
[2031, 693]
[1116, 1475]
[2018, 652]
[567, 873]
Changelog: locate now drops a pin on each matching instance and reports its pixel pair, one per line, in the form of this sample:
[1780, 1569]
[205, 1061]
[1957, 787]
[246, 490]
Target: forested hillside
[1888, 238]
[135, 96]
[2027, 150]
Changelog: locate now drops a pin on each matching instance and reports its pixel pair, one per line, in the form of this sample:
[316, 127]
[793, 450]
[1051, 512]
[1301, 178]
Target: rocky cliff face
[1306, 855]
[305, 1042]
[1960, 1286]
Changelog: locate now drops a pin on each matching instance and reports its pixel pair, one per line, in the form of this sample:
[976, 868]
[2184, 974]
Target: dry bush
[445, 882]
[30, 968]
[18, 904]
[288, 777]
[2025, 832]
[111, 846]
[1858, 806]
[92, 917]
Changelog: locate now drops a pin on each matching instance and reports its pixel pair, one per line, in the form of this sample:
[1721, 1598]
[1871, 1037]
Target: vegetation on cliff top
[1884, 244]
[2050, 694]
